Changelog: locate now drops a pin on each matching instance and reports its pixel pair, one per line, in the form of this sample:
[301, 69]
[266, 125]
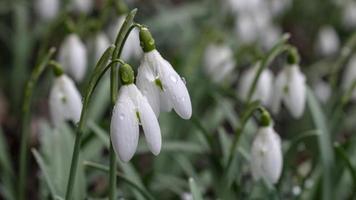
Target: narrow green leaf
[195, 190]
[45, 171]
[325, 145]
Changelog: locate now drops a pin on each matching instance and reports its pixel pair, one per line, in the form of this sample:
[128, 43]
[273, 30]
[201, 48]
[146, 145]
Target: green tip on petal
[126, 74]
[146, 40]
[293, 57]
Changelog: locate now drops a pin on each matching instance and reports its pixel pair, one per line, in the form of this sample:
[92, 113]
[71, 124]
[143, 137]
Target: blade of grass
[196, 193]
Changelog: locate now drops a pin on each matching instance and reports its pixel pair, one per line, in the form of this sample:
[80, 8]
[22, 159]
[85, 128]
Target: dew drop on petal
[173, 78]
[182, 99]
[184, 81]
[121, 116]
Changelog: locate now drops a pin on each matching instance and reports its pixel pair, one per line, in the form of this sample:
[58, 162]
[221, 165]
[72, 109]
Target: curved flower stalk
[266, 155]
[159, 82]
[290, 88]
[73, 57]
[350, 76]
[218, 62]
[264, 87]
[132, 109]
[64, 99]
[328, 42]
[47, 10]
[132, 45]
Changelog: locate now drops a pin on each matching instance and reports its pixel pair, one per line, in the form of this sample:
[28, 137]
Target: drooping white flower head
[73, 57]
[218, 62]
[264, 86]
[266, 155]
[46, 10]
[65, 101]
[290, 88]
[100, 44]
[132, 109]
[82, 6]
[349, 14]
[349, 76]
[132, 47]
[160, 83]
[328, 41]
[322, 91]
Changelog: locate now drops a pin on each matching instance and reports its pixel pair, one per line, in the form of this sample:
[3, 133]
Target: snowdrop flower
[46, 9]
[101, 43]
[132, 47]
[264, 86]
[266, 155]
[290, 88]
[218, 62]
[328, 41]
[350, 76]
[73, 57]
[64, 100]
[349, 14]
[82, 6]
[322, 91]
[159, 82]
[131, 110]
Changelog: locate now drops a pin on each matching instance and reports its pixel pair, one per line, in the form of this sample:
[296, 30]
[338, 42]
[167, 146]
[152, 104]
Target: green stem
[114, 52]
[26, 119]
[103, 168]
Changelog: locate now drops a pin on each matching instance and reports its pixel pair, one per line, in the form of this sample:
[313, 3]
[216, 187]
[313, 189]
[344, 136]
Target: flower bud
[146, 40]
[126, 74]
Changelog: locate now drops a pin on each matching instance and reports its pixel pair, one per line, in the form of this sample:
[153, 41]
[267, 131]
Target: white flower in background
[290, 88]
[132, 47]
[132, 109]
[73, 57]
[160, 83]
[218, 62]
[322, 91]
[82, 6]
[266, 155]
[270, 36]
[349, 76]
[101, 43]
[264, 86]
[46, 9]
[349, 14]
[327, 41]
[65, 101]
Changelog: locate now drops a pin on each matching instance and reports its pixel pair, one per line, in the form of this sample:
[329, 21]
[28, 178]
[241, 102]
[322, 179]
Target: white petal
[46, 9]
[174, 86]
[264, 87]
[278, 91]
[82, 6]
[165, 102]
[101, 44]
[124, 129]
[266, 155]
[328, 41]
[150, 126]
[73, 57]
[145, 82]
[65, 101]
[295, 98]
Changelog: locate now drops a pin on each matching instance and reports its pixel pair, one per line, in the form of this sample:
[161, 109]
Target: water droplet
[184, 81]
[121, 116]
[182, 99]
[173, 78]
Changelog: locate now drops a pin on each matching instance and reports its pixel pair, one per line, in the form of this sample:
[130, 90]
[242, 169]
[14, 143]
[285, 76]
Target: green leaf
[7, 173]
[325, 145]
[195, 190]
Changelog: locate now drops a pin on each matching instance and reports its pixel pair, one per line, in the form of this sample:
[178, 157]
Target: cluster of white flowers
[160, 89]
[254, 20]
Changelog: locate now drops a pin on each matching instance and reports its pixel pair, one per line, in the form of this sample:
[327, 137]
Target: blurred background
[211, 43]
